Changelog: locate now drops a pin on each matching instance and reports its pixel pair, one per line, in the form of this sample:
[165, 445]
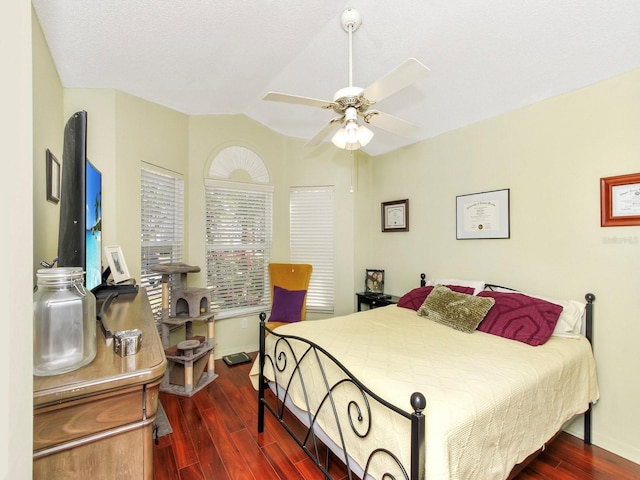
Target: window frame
[312, 240]
[172, 239]
[262, 289]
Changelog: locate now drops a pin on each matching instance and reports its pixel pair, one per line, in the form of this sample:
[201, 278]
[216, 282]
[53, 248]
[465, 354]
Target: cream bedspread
[490, 401]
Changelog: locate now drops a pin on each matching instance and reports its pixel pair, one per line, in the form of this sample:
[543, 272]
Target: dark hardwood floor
[215, 437]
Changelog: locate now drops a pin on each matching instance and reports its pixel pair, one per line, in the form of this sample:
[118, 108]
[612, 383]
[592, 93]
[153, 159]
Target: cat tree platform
[190, 363]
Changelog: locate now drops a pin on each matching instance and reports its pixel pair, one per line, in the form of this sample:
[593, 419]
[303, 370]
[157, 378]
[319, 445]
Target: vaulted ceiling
[204, 57]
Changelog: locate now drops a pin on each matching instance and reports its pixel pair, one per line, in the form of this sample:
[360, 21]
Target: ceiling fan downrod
[350, 20]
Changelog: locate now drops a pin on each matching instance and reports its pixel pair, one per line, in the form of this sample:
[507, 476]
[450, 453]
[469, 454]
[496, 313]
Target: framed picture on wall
[53, 177]
[483, 215]
[395, 216]
[620, 200]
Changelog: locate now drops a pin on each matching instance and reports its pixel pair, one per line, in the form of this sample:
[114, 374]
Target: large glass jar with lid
[64, 322]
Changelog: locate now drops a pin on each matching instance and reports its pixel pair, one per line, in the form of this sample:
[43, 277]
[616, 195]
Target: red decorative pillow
[520, 317]
[416, 297]
[286, 305]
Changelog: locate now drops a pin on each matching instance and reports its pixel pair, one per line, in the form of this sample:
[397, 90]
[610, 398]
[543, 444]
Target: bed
[396, 395]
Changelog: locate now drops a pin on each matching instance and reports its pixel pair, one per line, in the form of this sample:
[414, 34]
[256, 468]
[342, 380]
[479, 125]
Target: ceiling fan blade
[297, 99]
[397, 79]
[323, 132]
[392, 124]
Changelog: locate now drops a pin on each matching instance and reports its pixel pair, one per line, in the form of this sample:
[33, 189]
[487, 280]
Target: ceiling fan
[352, 102]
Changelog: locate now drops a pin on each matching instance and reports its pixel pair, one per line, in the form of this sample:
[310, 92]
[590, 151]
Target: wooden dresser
[97, 422]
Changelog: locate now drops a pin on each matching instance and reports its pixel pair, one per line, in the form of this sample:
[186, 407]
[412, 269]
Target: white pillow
[570, 320]
[477, 285]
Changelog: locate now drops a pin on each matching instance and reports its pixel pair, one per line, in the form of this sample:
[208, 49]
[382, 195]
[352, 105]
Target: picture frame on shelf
[620, 200]
[53, 177]
[395, 216]
[374, 281]
[117, 263]
[483, 215]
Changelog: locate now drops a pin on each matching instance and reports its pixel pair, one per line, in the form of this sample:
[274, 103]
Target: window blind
[238, 239]
[312, 240]
[162, 233]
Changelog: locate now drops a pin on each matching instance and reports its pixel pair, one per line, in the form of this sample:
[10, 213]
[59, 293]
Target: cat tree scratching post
[190, 362]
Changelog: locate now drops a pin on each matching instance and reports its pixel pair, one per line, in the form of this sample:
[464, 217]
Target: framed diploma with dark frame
[395, 216]
[483, 215]
[620, 200]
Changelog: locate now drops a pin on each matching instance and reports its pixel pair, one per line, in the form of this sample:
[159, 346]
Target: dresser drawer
[57, 424]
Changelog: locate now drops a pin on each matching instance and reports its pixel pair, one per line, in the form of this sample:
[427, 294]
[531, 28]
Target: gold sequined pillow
[456, 310]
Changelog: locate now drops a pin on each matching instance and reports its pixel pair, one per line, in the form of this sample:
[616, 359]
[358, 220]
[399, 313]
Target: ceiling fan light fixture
[351, 132]
[364, 135]
[352, 136]
[339, 139]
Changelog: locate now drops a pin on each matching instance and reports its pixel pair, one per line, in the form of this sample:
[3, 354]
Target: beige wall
[147, 133]
[48, 130]
[123, 134]
[551, 156]
[16, 284]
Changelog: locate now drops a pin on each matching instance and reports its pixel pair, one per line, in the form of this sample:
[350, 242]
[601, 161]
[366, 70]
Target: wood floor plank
[215, 438]
[280, 462]
[224, 407]
[183, 448]
[235, 465]
[192, 472]
[164, 463]
[210, 461]
[253, 455]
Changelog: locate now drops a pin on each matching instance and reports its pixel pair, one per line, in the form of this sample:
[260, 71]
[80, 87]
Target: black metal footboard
[344, 400]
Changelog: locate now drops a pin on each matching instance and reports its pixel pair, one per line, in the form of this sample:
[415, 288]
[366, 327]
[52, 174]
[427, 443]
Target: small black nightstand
[375, 301]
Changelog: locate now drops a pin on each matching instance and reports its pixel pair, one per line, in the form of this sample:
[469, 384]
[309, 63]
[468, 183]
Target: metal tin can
[127, 342]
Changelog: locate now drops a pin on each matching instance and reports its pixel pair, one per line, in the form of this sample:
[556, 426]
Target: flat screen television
[80, 228]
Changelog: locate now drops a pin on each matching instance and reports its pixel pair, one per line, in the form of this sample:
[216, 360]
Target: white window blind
[162, 198]
[312, 240]
[238, 239]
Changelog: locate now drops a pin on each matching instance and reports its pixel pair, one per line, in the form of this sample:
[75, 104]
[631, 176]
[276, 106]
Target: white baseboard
[625, 450]
[613, 445]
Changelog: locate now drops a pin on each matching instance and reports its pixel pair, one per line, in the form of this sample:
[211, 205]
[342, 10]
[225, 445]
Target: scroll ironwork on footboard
[344, 402]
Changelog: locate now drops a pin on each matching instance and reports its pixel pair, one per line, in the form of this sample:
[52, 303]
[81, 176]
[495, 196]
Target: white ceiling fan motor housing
[348, 92]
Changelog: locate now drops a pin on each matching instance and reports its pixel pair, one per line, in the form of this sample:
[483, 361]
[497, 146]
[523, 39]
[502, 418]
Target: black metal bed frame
[358, 409]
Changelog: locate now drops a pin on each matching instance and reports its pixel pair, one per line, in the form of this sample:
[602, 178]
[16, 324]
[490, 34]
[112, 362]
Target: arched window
[238, 231]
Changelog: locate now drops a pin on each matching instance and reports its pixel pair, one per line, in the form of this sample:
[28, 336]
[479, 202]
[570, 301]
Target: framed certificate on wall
[483, 215]
[620, 200]
[395, 216]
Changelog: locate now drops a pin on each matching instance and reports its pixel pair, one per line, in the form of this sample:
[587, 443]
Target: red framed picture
[620, 200]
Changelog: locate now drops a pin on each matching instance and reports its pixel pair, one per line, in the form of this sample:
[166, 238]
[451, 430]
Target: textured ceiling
[205, 57]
